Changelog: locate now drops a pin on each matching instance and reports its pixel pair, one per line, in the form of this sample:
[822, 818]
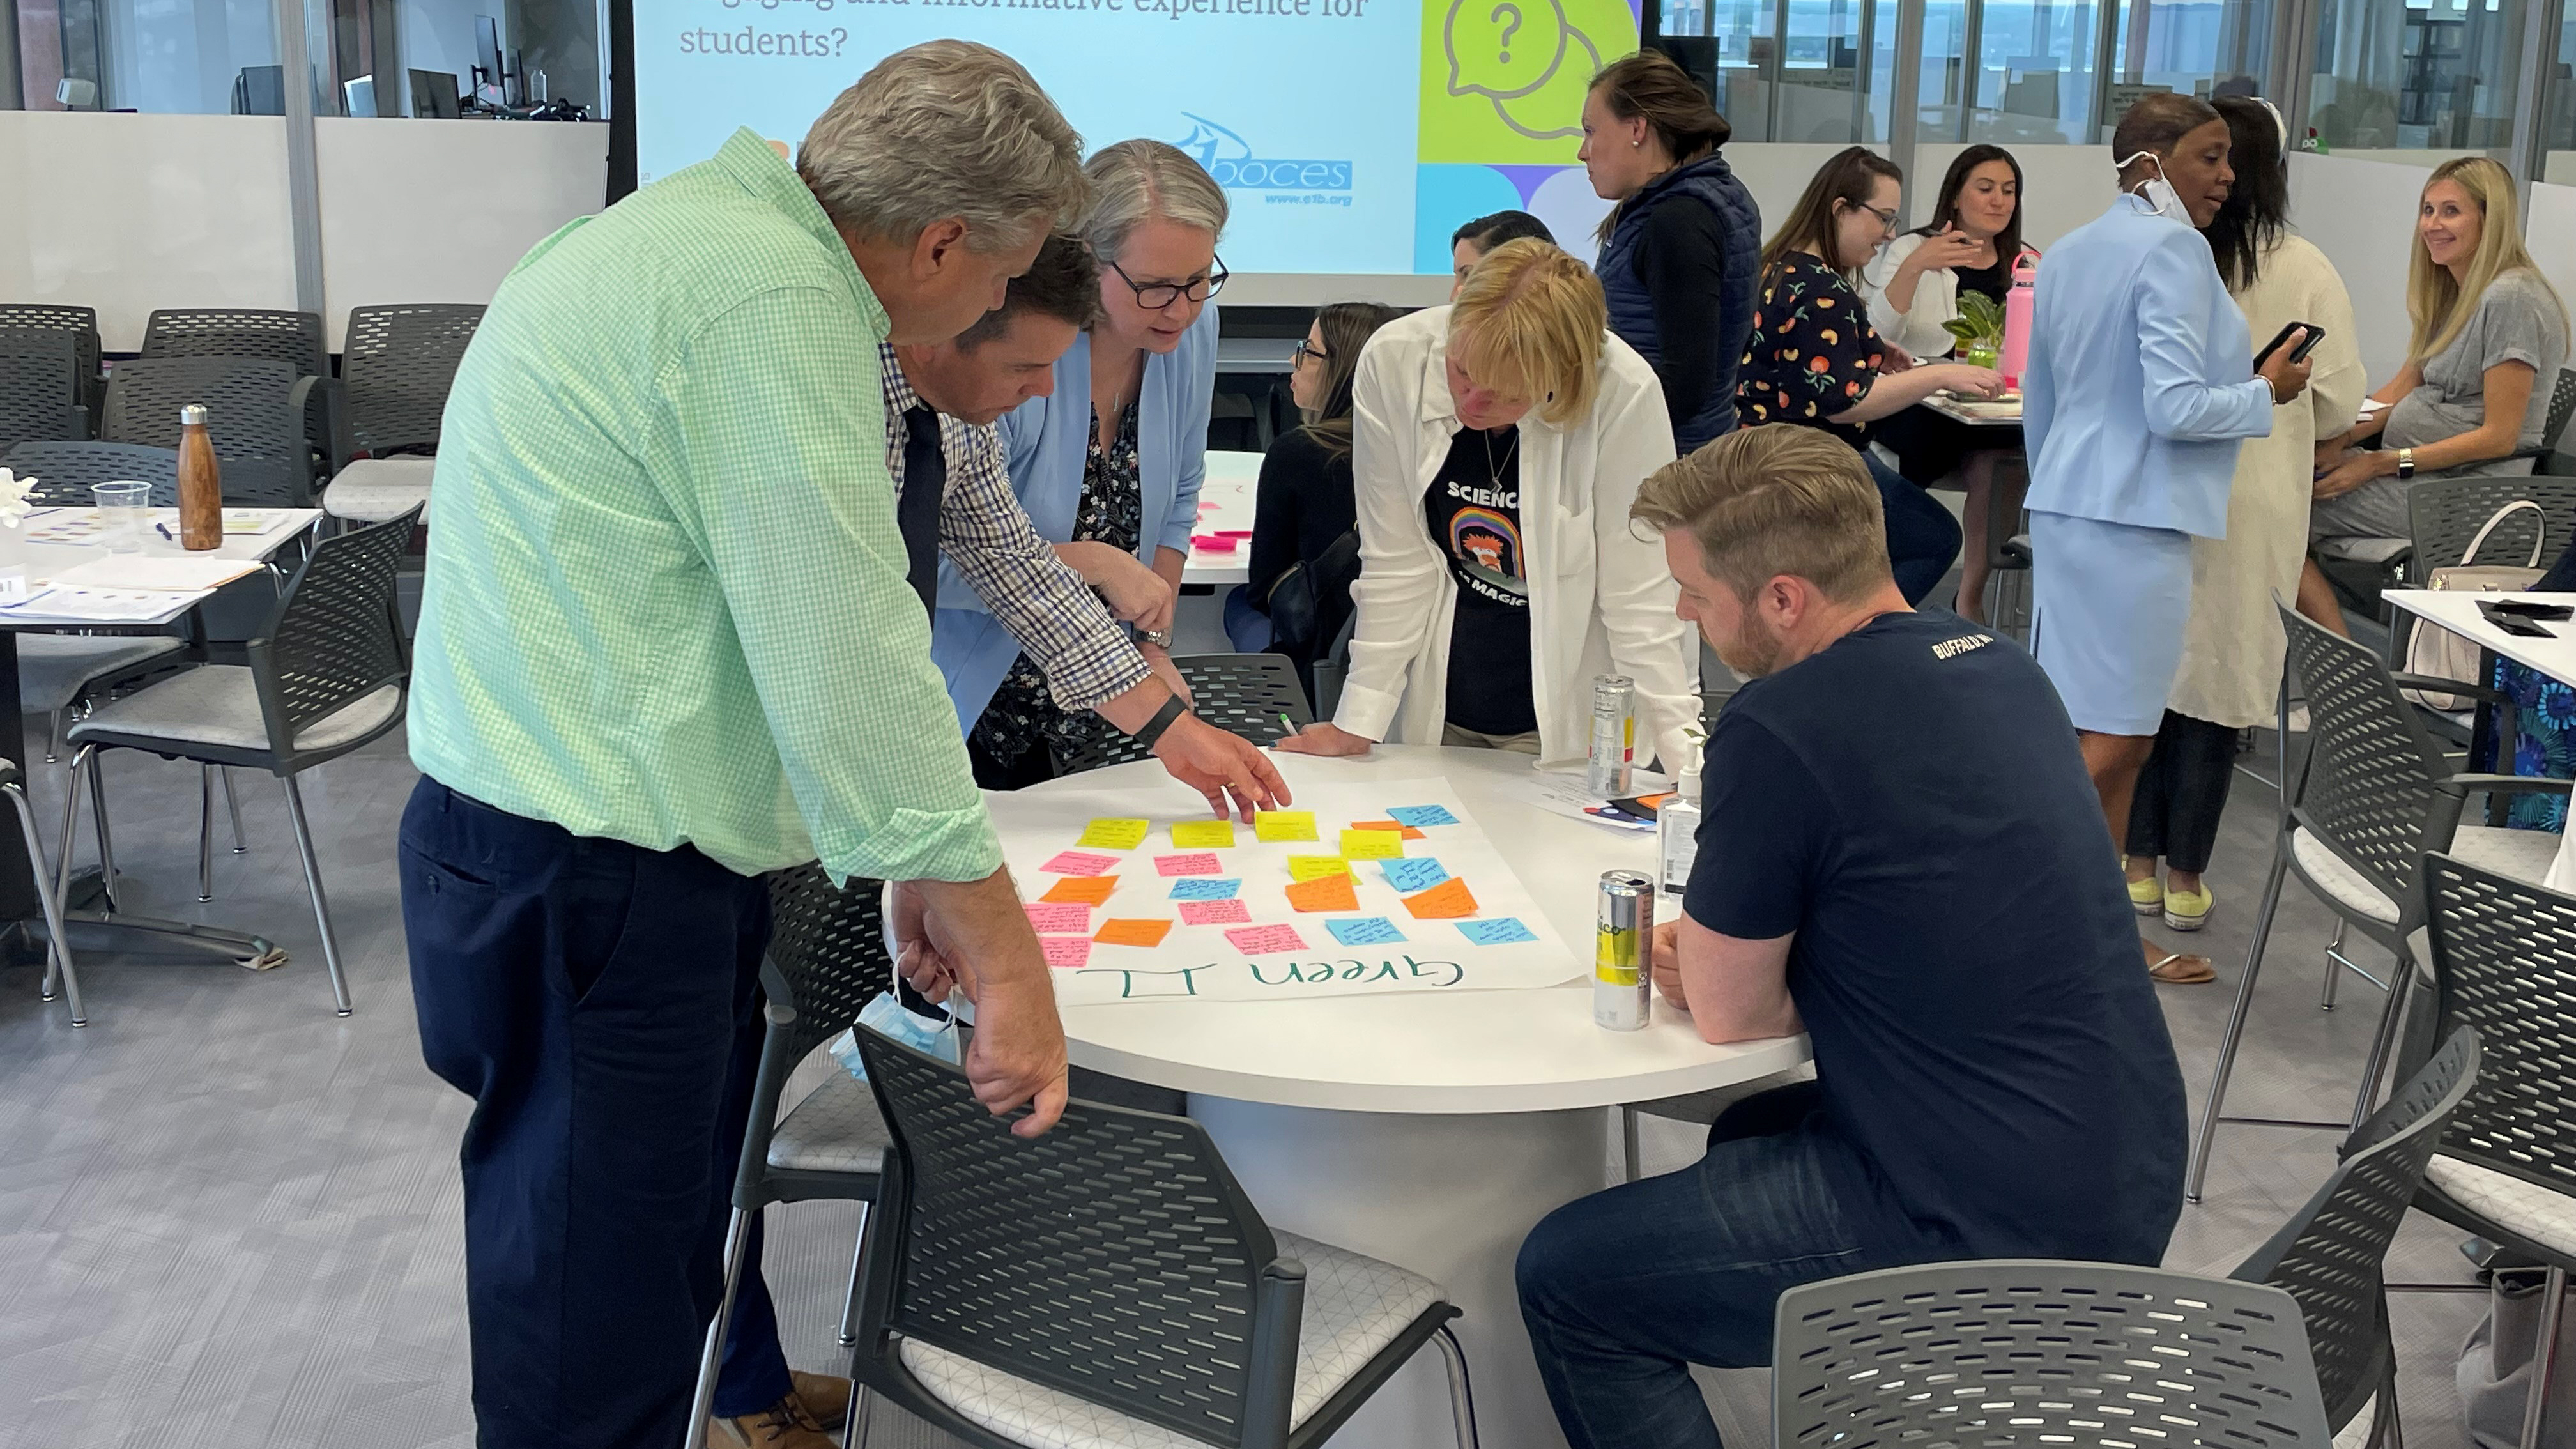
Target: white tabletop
[1476, 1052]
[1225, 502]
[2458, 612]
[44, 560]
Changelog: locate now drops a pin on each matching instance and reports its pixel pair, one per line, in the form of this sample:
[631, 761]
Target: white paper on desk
[174, 574]
[103, 606]
[1565, 795]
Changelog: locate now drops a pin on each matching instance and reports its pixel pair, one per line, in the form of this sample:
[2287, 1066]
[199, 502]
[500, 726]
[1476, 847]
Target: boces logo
[1231, 160]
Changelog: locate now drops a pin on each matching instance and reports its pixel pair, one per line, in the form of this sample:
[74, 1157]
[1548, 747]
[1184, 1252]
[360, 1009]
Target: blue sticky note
[1414, 873]
[1365, 931]
[1500, 931]
[1419, 816]
[1200, 888]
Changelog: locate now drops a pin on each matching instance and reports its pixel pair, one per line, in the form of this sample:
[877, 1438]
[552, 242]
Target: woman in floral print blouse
[1816, 362]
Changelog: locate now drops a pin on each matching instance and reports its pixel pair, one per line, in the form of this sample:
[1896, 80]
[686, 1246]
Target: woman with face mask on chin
[2139, 384]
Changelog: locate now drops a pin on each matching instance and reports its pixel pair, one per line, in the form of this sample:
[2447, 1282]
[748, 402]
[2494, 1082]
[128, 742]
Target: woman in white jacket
[1497, 443]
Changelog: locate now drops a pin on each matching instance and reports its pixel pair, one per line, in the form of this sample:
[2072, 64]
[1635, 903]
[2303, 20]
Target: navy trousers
[598, 1002]
[1922, 538]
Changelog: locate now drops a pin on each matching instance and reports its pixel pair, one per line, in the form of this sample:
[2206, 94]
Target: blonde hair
[947, 128]
[2440, 304]
[1140, 180]
[1529, 323]
[1773, 500]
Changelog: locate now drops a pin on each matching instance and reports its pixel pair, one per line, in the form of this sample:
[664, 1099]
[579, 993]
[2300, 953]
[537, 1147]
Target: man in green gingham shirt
[666, 645]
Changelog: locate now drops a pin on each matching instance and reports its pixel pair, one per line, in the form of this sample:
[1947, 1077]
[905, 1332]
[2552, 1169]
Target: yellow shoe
[2147, 896]
[2186, 910]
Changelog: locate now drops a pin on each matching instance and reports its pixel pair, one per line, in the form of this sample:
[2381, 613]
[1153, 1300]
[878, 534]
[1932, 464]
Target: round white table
[1429, 1130]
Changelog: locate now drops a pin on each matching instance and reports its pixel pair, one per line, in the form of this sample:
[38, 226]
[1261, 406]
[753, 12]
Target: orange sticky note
[1444, 902]
[1131, 933]
[1089, 891]
[1399, 827]
[1327, 893]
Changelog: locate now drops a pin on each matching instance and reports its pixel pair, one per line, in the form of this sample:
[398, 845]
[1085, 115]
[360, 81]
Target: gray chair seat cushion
[2366, 550]
[217, 706]
[1354, 1308]
[2543, 1215]
[835, 1129]
[53, 669]
[372, 490]
[2522, 854]
[1704, 1108]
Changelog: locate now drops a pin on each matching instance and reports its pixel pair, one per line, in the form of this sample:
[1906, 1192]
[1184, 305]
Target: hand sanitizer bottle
[1677, 826]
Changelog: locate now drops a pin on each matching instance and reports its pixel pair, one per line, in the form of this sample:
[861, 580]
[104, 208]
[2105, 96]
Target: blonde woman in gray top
[2489, 338]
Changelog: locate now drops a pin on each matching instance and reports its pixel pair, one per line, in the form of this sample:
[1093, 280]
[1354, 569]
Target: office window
[2197, 47]
[1941, 71]
[2416, 75]
[2558, 112]
[162, 56]
[444, 59]
[1782, 70]
[2034, 77]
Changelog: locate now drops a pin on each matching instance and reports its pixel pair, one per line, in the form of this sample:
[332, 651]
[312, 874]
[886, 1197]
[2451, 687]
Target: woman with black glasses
[1109, 464]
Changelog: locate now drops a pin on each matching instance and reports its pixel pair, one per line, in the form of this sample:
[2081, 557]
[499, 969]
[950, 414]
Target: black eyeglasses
[1305, 351]
[1155, 296]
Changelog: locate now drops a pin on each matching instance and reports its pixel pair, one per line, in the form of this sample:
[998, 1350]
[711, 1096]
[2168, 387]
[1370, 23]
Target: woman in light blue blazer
[2139, 384]
[1107, 463]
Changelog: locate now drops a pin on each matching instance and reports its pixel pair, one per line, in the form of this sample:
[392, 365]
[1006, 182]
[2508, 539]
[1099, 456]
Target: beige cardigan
[2233, 646]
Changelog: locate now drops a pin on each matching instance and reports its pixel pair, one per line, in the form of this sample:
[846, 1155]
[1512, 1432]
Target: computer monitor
[362, 95]
[487, 54]
[260, 90]
[434, 96]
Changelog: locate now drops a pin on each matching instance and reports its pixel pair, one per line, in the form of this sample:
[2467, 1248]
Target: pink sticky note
[1214, 542]
[1065, 950]
[1266, 940]
[1076, 862]
[1059, 918]
[1199, 864]
[1215, 913]
[1234, 533]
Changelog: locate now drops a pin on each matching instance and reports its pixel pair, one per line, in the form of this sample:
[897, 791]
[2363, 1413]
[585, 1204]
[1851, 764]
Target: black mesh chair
[2374, 793]
[89, 386]
[2017, 1351]
[2504, 962]
[294, 338]
[827, 961]
[65, 472]
[2331, 1253]
[36, 403]
[253, 408]
[60, 975]
[1247, 694]
[1111, 1275]
[2445, 513]
[396, 366]
[325, 677]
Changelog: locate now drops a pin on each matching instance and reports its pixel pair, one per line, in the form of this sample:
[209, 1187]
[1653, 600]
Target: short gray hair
[1140, 180]
[947, 128]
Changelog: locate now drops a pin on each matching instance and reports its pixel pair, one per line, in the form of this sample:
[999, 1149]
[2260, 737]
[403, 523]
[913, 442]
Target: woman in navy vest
[1682, 248]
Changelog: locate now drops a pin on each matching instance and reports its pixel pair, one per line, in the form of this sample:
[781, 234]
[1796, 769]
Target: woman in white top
[1496, 445]
[1913, 287]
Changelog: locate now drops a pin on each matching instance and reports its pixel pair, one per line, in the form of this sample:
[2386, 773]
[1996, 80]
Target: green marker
[1286, 724]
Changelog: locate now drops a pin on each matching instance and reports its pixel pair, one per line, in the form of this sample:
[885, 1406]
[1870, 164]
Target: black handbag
[1309, 601]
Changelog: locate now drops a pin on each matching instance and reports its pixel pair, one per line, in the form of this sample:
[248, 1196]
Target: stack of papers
[104, 606]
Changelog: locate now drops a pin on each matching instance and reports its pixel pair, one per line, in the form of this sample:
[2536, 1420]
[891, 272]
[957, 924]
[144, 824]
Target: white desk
[1431, 1131]
[1225, 502]
[2003, 413]
[2555, 657]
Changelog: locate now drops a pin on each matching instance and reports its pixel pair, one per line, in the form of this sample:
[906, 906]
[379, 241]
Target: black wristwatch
[1173, 708]
[2406, 462]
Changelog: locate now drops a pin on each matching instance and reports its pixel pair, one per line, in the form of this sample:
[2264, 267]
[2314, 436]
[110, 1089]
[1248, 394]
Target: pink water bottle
[2017, 305]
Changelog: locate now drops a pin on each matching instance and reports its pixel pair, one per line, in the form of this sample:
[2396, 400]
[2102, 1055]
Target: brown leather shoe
[827, 1399]
[783, 1425]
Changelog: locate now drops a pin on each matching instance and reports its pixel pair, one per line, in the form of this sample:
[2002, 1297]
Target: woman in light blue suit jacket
[1108, 463]
[2140, 383]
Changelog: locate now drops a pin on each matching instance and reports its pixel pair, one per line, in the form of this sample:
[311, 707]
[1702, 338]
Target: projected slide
[1350, 135]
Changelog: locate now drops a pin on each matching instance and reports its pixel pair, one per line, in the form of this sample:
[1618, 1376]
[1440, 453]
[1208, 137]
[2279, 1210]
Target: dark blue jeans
[1922, 537]
[1625, 1289]
[598, 1002]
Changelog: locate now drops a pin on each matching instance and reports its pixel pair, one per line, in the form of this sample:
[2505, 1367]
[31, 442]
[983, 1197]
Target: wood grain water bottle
[201, 483]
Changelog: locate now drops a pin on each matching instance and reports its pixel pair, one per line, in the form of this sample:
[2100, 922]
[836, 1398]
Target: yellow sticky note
[1203, 835]
[1371, 844]
[1284, 825]
[1311, 867]
[1106, 834]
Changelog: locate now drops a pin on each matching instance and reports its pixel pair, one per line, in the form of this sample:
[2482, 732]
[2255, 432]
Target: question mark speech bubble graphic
[1510, 27]
[1502, 50]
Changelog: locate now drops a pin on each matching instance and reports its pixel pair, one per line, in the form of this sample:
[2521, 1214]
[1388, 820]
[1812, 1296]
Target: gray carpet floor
[229, 1220]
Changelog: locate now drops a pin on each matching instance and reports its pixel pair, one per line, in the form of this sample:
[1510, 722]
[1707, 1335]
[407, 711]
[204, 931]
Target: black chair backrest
[827, 952]
[1241, 693]
[2504, 962]
[2444, 514]
[2367, 787]
[396, 365]
[252, 413]
[36, 402]
[1114, 1259]
[2032, 1352]
[64, 472]
[2330, 1254]
[336, 636]
[294, 338]
[2562, 403]
[78, 323]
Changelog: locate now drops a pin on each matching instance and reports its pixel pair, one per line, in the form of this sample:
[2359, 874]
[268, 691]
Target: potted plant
[1979, 328]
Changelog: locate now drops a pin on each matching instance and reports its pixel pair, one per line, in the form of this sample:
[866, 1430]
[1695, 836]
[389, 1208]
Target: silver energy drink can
[1614, 736]
[1623, 952]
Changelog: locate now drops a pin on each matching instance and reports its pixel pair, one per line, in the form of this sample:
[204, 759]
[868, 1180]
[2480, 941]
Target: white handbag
[2438, 653]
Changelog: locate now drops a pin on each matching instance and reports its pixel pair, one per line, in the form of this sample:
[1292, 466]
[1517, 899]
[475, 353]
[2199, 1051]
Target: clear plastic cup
[122, 514]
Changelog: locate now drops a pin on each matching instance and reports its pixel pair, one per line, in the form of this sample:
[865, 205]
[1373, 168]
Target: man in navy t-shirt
[1901, 855]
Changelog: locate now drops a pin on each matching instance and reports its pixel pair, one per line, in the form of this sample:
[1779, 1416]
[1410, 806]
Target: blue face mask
[889, 1018]
[2156, 191]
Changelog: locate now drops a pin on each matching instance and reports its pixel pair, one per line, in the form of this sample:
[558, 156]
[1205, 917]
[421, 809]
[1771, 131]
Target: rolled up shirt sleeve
[787, 494]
